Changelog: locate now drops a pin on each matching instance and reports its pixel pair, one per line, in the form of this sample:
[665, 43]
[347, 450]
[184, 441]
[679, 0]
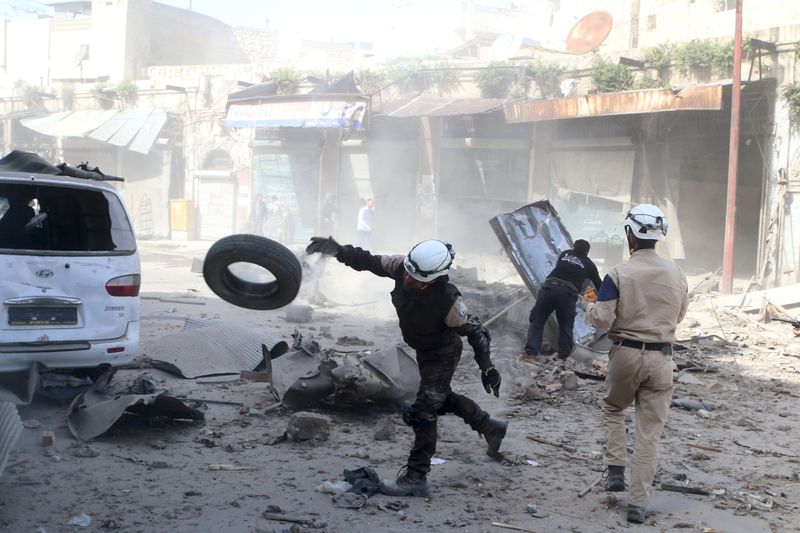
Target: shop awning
[136, 129]
[437, 106]
[696, 98]
[300, 111]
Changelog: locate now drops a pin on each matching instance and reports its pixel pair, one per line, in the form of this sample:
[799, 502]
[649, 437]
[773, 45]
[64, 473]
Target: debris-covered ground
[737, 442]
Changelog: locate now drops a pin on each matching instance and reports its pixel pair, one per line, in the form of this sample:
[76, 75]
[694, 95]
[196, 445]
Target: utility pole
[733, 156]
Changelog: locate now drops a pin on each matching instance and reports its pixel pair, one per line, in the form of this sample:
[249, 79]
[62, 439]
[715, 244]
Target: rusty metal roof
[696, 98]
[436, 106]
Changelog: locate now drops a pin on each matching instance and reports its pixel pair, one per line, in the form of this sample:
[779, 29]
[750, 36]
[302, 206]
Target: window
[651, 22]
[59, 219]
[725, 5]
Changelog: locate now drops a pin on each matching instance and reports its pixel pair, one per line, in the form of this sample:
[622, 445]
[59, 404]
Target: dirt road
[156, 478]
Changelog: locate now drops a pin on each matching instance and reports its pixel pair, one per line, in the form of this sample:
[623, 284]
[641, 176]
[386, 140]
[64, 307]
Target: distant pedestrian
[364, 228]
[327, 215]
[285, 225]
[258, 216]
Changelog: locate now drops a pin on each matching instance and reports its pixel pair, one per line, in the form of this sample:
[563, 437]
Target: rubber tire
[266, 253]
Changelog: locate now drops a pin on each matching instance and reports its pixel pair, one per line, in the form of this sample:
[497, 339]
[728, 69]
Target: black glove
[491, 380]
[322, 245]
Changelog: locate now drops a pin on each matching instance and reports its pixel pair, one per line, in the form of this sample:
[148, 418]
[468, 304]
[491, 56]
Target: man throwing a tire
[433, 318]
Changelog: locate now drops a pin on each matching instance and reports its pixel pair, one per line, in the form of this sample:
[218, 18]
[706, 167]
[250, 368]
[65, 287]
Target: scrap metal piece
[311, 388]
[93, 413]
[10, 430]
[533, 236]
[214, 350]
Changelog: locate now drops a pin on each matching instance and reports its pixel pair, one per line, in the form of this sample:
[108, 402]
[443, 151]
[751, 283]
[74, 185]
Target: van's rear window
[50, 218]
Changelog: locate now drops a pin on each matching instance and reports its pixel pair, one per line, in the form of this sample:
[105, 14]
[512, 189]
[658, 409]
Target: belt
[648, 346]
[563, 283]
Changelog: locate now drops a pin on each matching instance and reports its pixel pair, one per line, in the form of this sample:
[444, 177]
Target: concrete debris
[348, 340]
[688, 379]
[534, 393]
[31, 423]
[306, 426]
[305, 343]
[299, 313]
[48, 439]
[568, 380]
[384, 430]
[692, 405]
[82, 520]
[84, 451]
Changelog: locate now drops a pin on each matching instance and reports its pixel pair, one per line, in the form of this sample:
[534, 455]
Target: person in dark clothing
[433, 318]
[560, 294]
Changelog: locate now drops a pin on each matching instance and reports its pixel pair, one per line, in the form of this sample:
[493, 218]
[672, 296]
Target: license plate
[43, 316]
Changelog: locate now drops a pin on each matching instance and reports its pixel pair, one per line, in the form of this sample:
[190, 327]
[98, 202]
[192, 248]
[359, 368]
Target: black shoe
[409, 482]
[494, 431]
[637, 514]
[616, 479]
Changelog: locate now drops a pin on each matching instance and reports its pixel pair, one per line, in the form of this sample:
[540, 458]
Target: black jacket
[424, 315]
[574, 268]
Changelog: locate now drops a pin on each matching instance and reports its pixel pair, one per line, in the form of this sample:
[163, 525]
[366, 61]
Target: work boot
[616, 479]
[637, 514]
[409, 482]
[494, 431]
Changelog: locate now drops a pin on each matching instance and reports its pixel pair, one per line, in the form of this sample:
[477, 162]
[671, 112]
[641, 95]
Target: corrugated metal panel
[218, 349]
[149, 132]
[133, 121]
[533, 237]
[698, 98]
[10, 430]
[433, 106]
[138, 127]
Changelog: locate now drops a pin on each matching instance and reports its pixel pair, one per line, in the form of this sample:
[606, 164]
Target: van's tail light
[124, 285]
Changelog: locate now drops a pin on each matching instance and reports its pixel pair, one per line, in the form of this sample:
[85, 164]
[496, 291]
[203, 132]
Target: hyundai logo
[44, 274]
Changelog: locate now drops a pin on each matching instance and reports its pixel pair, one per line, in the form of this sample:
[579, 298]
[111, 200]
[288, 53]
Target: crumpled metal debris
[304, 379]
[10, 430]
[93, 413]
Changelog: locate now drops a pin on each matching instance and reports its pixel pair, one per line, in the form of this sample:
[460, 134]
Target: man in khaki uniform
[640, 302]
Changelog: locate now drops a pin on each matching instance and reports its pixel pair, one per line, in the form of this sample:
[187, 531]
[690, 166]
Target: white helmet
[646, 222]
[429, 260]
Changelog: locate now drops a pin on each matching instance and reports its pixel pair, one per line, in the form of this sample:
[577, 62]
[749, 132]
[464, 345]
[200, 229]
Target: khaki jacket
[642, 299]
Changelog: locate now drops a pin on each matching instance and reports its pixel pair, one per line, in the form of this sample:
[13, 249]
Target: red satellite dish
[589, 32]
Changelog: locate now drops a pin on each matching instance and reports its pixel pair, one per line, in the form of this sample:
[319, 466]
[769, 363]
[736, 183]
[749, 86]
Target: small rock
[569, 381]
[84, 451]
[48, 439]
[308, 426]
[31, 424]
[703, 413]
[534, 393]
[688, 379]
[384, 430]
[82, 520]
[159, 464]
[532, 508]
[192, 493]
[299, 313]
[273, 509]
[349, 500]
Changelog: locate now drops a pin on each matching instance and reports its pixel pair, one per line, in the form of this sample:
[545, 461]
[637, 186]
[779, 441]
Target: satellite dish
[589, 32]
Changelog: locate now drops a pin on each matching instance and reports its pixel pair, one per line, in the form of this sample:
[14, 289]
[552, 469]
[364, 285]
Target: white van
[69, 273]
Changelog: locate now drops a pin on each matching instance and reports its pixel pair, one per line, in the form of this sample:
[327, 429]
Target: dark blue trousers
[562, 300]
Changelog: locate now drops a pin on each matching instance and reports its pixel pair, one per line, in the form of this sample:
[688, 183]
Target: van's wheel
[266, 253]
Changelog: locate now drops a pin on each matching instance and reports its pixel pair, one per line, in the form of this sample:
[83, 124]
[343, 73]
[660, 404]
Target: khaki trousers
[646, 378]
